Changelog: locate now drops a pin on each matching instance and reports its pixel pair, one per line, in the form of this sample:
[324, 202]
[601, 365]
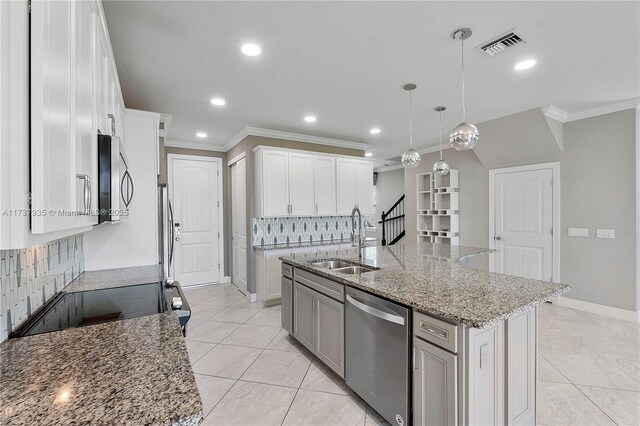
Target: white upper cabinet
[325, 186]
[301, 184]
[364, 186]
[346, 185]
[272, 183]
[102, 66]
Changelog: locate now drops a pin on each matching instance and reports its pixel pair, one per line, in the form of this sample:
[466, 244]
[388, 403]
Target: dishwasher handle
[375, 312]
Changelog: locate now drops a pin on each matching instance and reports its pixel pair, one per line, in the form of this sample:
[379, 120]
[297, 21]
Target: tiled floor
[250, 372]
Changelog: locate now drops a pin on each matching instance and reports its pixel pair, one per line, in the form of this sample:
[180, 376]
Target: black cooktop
[67, 310]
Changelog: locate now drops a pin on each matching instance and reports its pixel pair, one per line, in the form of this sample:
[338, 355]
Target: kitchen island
[471, 346]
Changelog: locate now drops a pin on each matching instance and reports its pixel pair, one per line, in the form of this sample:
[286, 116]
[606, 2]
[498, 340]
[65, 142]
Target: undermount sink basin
[332, 264]
[352, 270]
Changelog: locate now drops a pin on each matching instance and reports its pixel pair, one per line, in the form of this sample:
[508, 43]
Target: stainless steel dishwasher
[377, 360]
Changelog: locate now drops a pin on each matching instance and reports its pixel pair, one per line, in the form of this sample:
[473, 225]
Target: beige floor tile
[320, 408]
[255, 336]
[197, 349]
[548, 372]
[554, 313]
[224, 299]
[631, 367]
[622, 406]
[200, 294]
[226, 361]
[582, 327]
[266, 317]
[592, 370]
[252, 404]
[278, 368]
[560, 343]
[611, 346]
[238, 315]
[212, 331]
[285, 342]
[212, 389]
[563, 404]
[375, 419]
[625, 329]
[245, 304]
[203, 312]
[321, 378]
[544, 325]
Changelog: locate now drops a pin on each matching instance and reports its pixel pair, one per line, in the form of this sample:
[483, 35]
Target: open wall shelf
[438, 202]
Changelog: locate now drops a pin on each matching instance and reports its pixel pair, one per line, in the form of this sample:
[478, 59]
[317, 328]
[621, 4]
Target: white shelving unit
[438, 208]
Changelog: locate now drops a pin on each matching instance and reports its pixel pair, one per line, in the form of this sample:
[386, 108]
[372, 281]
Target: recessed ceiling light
[251, 49]
[368, 154]
[374, 131]
[310, 118]
[218, 101]
[525, 64]
[201, 134]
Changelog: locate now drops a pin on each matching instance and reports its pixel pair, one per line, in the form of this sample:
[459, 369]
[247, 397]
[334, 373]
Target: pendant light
[441, 167]
[465, 135]
[410, 158]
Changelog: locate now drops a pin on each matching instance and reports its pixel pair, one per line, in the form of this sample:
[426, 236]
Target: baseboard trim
[253, 297]
[617, 313]
[225, 280]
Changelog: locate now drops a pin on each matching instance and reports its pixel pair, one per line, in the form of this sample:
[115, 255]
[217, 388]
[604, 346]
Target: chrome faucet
[360, 242]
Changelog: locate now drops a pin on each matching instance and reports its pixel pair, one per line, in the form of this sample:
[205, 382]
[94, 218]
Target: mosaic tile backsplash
[30, 277]
[301, 229]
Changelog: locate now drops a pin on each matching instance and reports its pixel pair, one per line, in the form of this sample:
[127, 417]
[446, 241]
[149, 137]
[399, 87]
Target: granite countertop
[304, 244]
[120, 277]
[409, 275]
[133, 371]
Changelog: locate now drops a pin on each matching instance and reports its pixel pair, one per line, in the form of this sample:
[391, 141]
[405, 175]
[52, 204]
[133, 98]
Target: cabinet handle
[316, 209]
[413, 359]
[113, 124]
[434, 331]
[86, 194]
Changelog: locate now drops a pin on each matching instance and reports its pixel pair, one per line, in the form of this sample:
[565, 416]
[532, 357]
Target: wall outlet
[578, 232]
[605, 233]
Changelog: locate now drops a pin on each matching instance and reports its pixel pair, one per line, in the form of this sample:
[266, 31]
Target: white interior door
[239, 224]
[195, 190]
[523, 222]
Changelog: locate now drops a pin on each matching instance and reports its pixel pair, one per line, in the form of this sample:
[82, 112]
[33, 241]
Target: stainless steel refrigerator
[165, 230]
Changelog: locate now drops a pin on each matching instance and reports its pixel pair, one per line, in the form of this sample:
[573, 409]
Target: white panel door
[364, 186]
[194, 190]
[301, 184]
[275, 183]
[523, 222]
[346, 185]
[325, 186]
[239, 224]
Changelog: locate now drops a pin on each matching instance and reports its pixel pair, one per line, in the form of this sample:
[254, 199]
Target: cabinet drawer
[321, 285]
[287, 270]
[436, 331]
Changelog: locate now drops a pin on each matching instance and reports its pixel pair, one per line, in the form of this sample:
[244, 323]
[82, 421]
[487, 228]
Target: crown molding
[565, 117]
[194, 145]
[141, 113]
[166, 119]
[277, 134]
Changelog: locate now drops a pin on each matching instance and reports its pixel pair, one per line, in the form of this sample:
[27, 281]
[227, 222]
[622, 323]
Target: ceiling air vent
[503, 42]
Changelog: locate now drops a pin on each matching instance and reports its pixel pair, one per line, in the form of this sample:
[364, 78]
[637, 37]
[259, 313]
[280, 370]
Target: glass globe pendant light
[465, 135]
[410, 158]
[441, 167]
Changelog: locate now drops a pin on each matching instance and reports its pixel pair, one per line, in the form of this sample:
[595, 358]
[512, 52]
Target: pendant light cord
[464, 111]
[410, 121]
[440, 135]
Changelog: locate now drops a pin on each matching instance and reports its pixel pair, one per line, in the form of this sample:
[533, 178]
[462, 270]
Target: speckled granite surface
[135, 371]
[303, 244]
[110, 278]
[452, 291]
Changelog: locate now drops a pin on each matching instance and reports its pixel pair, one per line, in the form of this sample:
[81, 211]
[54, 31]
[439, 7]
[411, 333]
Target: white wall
[133, 241]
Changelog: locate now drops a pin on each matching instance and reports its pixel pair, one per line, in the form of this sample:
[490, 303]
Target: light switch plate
[605, 233]
[578, 232]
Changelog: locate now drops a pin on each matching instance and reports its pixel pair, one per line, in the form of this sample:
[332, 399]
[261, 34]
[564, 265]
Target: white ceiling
[346, 63]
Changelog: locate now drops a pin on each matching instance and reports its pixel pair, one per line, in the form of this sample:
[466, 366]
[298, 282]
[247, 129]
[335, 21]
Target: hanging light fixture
[410, 158]
[465, 135]
[441, 167]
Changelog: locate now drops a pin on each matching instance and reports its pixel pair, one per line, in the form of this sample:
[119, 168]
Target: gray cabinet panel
[287, 304]
[435, 385]
[304, 315]
[330, 333]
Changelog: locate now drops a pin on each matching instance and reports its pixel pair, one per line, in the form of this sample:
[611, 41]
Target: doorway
[239, 222]
[195, 187]
[524, 221]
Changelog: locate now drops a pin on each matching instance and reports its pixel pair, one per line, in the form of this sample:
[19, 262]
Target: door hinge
[218, 266]
[218, 235]
[218, 204]
[551, 231]
[218, 172]
[551, 181]
[29, 7]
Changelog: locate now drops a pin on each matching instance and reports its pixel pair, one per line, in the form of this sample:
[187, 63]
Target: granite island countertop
[415, 275]
[132, 371]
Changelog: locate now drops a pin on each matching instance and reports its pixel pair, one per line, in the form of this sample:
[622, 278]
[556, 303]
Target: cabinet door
[287, 304]
[85, 101]
[53, 162]
[346, 185]
[301, 184]
[304, 315]
[325, 186]
[435, 385]
[329, 344]
[275, 183]
[102, 65]
[273, 274]
[364, 186]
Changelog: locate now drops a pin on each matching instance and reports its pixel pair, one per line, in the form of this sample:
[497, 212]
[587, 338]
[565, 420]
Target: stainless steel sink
[352, 270]
[332, 264]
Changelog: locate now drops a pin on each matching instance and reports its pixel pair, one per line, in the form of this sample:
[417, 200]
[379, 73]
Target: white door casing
[239, 224]
[524, 212]
[195, 188]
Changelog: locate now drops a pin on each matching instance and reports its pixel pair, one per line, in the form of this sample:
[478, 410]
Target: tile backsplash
[267, 231]
[30, 277]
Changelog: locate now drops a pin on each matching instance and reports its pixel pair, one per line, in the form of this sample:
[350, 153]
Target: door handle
[499, 238]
